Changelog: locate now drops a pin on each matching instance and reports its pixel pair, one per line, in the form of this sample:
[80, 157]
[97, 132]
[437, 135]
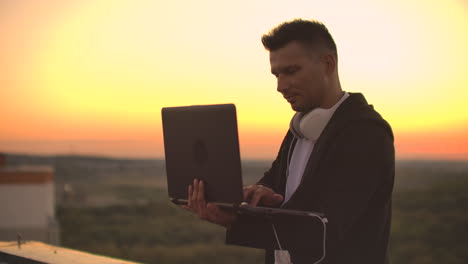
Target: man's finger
[201, 191]
[201, 198]
[274, 200]
[248, 191]
[194, 194]
[257, 196]
[189, 199]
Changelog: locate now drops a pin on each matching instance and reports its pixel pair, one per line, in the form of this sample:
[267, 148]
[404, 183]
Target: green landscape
[119, 208]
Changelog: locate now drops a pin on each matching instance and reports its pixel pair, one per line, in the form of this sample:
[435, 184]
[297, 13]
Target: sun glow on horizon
[100, 71]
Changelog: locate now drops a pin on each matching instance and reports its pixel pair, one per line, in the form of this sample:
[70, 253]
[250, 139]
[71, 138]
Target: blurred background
[82, 84]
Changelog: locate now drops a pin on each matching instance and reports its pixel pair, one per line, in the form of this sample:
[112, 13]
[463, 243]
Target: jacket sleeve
[357, 189]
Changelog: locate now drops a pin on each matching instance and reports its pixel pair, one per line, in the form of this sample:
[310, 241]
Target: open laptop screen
[202, 142]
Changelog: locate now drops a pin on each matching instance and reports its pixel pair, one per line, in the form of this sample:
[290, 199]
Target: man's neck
[332, 98]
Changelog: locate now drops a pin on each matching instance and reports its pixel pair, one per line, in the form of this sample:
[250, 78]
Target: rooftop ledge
[26, 174]
[33, 252]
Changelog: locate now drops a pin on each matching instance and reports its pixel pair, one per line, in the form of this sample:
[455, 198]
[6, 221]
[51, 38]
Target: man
[337, 158]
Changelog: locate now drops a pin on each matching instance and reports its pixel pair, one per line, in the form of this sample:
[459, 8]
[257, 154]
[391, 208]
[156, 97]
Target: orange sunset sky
[91, 77]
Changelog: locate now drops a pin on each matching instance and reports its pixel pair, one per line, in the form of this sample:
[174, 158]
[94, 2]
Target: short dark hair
[309, 32]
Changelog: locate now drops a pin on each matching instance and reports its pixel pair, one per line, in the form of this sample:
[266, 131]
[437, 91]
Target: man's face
[301, 77]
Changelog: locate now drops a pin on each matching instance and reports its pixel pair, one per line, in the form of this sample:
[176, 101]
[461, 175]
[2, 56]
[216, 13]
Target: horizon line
[122, 157]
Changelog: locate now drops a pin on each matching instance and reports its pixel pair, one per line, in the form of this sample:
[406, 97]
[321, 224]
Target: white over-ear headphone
[311, 124]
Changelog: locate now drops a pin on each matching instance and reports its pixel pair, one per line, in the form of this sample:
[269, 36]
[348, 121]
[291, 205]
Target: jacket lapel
[320, 147]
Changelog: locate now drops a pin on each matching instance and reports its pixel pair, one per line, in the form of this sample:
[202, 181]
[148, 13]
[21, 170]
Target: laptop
[201, 141]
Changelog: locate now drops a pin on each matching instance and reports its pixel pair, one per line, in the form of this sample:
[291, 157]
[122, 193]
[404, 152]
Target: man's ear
[330, 63]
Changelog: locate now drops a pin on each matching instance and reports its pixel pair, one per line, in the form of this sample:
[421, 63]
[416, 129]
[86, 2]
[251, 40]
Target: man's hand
[207, 211]
[259, 194]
